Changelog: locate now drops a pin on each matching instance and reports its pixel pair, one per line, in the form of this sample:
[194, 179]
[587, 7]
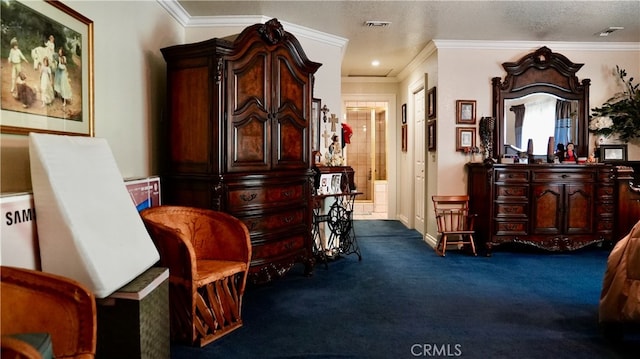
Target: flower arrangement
[620, 114]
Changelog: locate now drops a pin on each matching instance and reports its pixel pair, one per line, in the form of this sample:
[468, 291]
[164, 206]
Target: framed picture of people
[47, 69]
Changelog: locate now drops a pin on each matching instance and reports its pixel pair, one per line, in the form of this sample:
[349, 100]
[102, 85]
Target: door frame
[392, 145]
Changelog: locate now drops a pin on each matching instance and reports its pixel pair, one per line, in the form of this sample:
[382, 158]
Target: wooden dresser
[236, 138]
[550, 206]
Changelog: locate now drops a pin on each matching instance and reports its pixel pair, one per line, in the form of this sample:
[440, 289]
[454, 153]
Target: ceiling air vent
[377, 23]
[609, 30]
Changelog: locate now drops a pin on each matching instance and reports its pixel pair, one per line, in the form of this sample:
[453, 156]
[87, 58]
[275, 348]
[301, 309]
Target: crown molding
[177, 12]
[527, 45]
[417, 61]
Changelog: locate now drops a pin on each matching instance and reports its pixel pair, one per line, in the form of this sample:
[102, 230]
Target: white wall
[129, 77]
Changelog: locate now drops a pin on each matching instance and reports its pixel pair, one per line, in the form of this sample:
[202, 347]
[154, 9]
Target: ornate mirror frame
[541, 71]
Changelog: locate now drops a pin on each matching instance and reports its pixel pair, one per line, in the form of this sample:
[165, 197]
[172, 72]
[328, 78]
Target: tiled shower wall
[359, 151]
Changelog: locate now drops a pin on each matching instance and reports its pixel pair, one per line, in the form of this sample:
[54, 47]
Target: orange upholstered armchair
[38, 302]
[208, 254]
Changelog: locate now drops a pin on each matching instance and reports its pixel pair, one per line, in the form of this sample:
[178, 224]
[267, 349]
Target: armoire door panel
[248, 85]
[249, 144]
[291, 85]
[291, 143]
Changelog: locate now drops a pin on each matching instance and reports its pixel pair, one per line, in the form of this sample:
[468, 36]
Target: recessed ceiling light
[375, 63]
[377, 23]
[609, 30]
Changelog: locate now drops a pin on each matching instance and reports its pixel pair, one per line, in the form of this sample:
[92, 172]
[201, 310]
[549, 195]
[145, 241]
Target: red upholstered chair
[208, 254]
[38, 302]
[454, 220]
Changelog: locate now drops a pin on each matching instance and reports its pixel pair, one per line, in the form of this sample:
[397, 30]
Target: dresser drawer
[274, 221]
[605, 208]
[248, 196]
[564, 176]
[511, 210]
[604, 225]
[511, 228]
[512, 175]
[506, 192]
[605, 192]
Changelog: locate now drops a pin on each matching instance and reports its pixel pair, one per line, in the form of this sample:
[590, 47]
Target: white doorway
[367, 155]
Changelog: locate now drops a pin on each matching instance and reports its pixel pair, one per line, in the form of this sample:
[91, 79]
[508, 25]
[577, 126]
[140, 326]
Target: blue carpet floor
[403, 301]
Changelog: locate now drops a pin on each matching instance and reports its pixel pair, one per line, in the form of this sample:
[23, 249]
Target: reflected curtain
[562, 131]
[518, 110]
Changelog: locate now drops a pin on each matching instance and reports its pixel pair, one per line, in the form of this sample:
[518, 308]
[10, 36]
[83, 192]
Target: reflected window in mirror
[537, 117]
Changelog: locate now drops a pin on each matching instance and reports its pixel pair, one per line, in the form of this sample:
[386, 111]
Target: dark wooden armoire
[237, 139]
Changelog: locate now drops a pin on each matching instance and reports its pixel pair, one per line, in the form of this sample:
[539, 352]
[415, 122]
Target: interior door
[419, 156]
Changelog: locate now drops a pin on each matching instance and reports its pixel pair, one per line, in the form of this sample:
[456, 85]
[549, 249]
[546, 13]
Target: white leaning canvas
[88, 227]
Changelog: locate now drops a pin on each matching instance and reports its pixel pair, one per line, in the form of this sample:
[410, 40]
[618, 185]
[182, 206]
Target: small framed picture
[431, 135]
[404, 113]
[466, 112]
[613, 153]
[404, 138]
[465, 138]
[431, 103]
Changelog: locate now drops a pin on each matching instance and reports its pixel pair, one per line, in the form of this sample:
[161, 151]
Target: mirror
[540, 98]
[537, 117]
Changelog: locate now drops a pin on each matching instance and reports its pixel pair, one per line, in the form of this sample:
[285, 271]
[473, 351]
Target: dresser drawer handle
[286, 193]
[565, 176]
[248, 197]
[287, 219]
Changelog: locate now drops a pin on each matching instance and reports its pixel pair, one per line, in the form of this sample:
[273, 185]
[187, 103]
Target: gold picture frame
[64, 102]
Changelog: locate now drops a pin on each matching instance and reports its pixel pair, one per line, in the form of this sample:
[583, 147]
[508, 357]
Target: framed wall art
[405, 138]
[466, 112]
[431, 103]
[431, 135]
[404, 113]
[613, 153]
[315, 124]
[465, 138]
[47, 83]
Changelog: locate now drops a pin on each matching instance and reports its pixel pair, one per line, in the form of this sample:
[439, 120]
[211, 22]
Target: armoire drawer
[267, 222]
[248, 197]
[262, 251]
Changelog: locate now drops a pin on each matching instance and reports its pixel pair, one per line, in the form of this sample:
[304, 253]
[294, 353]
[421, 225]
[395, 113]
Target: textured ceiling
[415, 23]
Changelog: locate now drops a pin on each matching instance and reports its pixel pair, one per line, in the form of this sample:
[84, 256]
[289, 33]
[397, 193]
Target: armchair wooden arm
[208, 254]
[33, 301]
